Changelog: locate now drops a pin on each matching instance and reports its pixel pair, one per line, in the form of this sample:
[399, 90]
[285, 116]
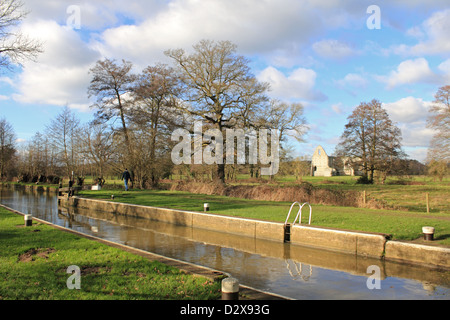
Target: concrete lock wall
[365, 244]
[420, 254]
[244, 227]
[372, 245]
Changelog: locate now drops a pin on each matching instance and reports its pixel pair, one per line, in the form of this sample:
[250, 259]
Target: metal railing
[299, 213]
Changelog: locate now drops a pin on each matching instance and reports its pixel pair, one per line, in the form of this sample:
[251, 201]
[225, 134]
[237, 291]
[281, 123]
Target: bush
[363, 180]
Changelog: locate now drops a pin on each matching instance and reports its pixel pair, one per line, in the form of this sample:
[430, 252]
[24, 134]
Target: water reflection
[293, 271]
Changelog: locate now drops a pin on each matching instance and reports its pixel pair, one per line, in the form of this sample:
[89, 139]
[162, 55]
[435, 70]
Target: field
[404, 220]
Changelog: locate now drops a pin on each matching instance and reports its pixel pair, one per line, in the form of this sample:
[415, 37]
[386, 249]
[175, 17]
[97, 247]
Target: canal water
[284, 269]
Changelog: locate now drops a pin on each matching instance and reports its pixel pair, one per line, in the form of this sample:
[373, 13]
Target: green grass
[403, 197]
[402, 225]
[106, 273]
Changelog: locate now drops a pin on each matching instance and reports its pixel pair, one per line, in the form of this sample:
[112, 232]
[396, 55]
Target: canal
[284, 269]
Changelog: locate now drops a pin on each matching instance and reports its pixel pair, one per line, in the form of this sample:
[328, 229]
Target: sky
[329, 55]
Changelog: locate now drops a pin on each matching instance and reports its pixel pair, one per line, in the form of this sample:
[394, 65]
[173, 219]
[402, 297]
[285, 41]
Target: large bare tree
[220, 88]
[15, 47]
[370, 139]
[112, 85]
[155, 116]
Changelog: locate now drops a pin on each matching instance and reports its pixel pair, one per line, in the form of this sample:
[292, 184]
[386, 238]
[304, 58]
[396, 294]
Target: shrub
[364, 180]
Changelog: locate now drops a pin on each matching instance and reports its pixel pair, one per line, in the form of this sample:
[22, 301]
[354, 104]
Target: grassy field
[408, 194]
[34, 262]
[398, 192]
[402, 225]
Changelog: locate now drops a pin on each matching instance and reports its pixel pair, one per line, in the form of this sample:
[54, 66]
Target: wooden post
[364, 197]
[428, 202]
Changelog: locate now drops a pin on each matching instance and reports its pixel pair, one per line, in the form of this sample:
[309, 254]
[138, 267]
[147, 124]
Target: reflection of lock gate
[298, 270]
[287, 225]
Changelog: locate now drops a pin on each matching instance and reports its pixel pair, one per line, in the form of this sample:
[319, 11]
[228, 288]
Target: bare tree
[439, 120]
[112, 85]
[7, 146]
[370, 139]
[155, 116]
[63, 133]
[220, 88]
[14, 46]
[98, 146]
[287, 118]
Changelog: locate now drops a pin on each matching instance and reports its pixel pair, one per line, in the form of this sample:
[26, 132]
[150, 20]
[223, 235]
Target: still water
[291, 271]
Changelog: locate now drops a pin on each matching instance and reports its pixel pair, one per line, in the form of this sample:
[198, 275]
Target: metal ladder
[287, 225]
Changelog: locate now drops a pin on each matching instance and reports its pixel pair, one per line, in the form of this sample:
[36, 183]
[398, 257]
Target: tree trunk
[221, 172]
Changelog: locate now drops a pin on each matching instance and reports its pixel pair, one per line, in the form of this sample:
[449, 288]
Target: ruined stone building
[323, 165]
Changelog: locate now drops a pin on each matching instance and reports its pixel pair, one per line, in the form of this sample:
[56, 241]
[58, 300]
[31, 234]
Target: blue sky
[320, 53]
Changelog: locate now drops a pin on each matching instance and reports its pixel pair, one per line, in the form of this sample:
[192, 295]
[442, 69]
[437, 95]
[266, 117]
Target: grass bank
[399, 193]
[34, 262]
[402, 225]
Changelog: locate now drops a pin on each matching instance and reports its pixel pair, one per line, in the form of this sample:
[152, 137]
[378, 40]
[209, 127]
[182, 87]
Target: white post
[230, 289]
[28, 220]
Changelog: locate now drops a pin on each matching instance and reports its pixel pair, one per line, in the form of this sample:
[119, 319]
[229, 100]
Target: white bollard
[230, 289]
[428, 233]
[206, 207]
[28, 220]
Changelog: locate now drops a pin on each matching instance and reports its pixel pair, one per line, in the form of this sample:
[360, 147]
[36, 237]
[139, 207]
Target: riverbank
[363, 244]
[34, 262]
[401, 225]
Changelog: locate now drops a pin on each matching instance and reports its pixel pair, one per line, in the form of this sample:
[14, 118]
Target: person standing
[126, 177]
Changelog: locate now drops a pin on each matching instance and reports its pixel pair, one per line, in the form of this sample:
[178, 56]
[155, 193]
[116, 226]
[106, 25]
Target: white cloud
[411, 115]
[277, 30]
[60, 76]
[333, 49]
[408, 110]
[409, 72]
[299, 84]
[94, 15]
[433, 34]
[416, 135]
[352, 83]
[444, 69]
[50, 85]
[7, 80]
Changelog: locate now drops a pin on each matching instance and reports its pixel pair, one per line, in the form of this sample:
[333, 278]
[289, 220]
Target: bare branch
[15, 48]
